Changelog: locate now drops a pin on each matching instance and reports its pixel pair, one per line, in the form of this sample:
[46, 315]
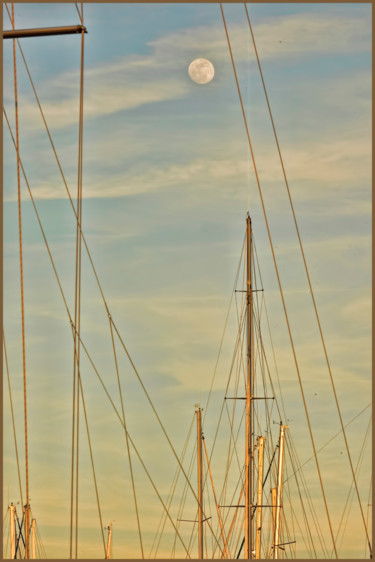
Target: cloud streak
[300, 34]
[339, 164]
[135, 81]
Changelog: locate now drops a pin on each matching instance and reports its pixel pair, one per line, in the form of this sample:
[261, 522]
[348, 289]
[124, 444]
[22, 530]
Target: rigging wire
[330, 440]
[240, 480]
[183, 499]
[239, 356]
[158, 494]
[236, 510]
[368, 510]
[40, 542]
[92, 460]
[224, 330]
[215, 499]
[316, 521]
[280, 287]
[172, 491]
[294, 456]
[238, 344]
[6, 533]
[78, 277]
[13, 420]
[77, 300]
[350, 496]
[269, 332]
[127, 440]
[79, 13]
[309, 281]
[209, 499]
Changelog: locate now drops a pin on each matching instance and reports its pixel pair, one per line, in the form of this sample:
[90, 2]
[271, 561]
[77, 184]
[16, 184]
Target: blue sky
[167, 179]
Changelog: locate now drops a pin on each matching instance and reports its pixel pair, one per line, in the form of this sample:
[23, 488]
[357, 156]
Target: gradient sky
[167, 180]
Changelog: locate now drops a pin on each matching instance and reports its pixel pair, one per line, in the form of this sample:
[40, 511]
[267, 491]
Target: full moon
[201, 71]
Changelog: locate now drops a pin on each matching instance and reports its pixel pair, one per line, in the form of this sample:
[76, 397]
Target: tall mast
[260, 497]
[279, 491]
[248, 455]
[26, 507]
[200, 482]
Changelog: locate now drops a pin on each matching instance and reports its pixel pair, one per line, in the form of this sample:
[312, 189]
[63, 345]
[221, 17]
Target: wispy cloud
[300, 34]
[104, 97]
[132, 81]
[338, 164]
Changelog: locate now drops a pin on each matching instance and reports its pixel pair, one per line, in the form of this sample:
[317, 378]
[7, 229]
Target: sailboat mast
[260, 497]
[26, 507]
[279, 491]
[200, 482]
[248, 455]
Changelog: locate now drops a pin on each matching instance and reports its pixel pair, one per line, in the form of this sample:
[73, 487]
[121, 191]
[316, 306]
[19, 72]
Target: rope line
[127, 439]
[368, 508]
[330, 440]
[159, 496]
[13, 421]
[77, 303]
[349, 498]
[92, 461]
[79, 13]
[163, 518]
[216, 504]
[224, 330]
[292, 451]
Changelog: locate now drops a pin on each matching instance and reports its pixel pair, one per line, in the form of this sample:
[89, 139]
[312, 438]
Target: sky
[167, 182]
